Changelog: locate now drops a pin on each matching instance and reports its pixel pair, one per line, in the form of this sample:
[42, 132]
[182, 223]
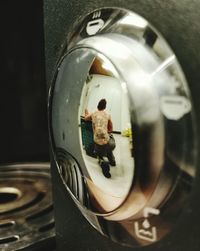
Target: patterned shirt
[100, 127]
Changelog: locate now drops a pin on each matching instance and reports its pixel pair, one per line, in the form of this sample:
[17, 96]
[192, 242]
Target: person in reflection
[102, 127]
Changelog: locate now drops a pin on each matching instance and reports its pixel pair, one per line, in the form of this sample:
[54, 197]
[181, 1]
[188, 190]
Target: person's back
[100, 127]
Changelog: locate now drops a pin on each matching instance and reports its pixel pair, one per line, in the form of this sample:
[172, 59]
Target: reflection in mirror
[106, 136]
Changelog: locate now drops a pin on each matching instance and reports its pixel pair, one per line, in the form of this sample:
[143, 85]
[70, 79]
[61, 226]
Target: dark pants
[104, 151]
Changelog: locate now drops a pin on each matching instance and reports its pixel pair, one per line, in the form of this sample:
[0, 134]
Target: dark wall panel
[23, 117]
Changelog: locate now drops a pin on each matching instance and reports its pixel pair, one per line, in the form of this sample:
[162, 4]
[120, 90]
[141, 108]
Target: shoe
[107, 175]
[106, 169]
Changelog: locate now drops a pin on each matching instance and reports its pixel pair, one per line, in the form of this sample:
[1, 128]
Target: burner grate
[26, 209]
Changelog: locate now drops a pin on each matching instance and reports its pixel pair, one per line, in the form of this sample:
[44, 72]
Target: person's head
[101, 105]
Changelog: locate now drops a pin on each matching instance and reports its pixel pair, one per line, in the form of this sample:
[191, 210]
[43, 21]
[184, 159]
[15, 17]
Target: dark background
[23, 116]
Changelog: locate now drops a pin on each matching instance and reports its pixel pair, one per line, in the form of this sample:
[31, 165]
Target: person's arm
[88, 116]
[110, 125]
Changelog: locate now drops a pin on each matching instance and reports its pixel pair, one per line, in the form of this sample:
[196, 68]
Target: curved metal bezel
[119, 27]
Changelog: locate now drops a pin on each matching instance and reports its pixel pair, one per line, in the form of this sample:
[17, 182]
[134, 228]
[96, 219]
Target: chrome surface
[26, 209]
[120, 52]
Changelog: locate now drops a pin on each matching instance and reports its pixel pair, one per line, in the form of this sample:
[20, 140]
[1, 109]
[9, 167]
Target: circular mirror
[98, 131]
[106, 135]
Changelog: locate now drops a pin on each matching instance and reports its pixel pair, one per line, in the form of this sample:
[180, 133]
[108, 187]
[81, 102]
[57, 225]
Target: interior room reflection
[107, 181]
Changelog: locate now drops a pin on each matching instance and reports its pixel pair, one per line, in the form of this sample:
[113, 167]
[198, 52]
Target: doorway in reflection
[108, 182]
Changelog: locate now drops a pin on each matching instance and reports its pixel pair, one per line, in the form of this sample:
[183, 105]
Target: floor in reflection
[121, 174]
